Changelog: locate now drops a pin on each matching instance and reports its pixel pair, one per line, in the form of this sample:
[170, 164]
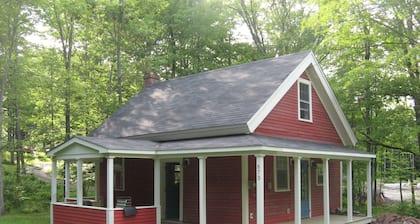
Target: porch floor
[335, 219]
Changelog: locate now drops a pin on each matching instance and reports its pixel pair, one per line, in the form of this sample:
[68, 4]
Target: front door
[305, 189]
[172, 183]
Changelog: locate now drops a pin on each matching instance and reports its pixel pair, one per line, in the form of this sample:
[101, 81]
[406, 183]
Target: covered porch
[86, 149]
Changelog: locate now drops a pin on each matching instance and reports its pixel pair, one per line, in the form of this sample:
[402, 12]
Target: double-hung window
[305, 100]
[281, 173]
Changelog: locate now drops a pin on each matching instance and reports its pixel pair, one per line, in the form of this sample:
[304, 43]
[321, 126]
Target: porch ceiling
[216, 146]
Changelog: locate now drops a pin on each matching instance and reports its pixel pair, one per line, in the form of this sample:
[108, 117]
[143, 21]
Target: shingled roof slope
[221, 101]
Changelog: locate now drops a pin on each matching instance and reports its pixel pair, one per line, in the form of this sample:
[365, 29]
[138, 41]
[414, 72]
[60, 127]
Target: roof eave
[195, 133]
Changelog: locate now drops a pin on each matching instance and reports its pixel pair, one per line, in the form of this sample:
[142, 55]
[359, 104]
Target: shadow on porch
[335, 219]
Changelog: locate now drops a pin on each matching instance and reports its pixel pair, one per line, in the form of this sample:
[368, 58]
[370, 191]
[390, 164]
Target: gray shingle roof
[218, 99]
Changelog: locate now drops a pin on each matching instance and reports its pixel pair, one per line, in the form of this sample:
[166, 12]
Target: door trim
[309, 187]
[163, 188]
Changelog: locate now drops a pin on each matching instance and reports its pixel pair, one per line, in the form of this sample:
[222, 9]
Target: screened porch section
[98, 190]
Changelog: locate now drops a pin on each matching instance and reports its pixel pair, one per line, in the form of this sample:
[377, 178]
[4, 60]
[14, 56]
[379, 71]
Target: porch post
[53, 188]
[79, 182]
[260, 187]
[326, 183]
[297, 176]
[157, 190]
[110, 190]
[202, 189]
[245, 197]
[349, 191]
[66, 179]
[341, 185]
[369, 188]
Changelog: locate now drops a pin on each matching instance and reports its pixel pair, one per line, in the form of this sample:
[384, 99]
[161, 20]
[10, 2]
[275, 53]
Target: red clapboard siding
[191, 213]
[224, 203]
[144, 216]
[335, 177]
[70, 215]
[283, 121]
[278, 205]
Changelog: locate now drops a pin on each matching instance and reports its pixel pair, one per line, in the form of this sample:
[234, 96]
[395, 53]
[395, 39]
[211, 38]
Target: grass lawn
[36, 218]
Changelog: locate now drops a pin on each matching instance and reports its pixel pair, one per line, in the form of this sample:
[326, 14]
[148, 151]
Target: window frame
[307, 83]
[119, 180]
[276, 188]
[319, 173]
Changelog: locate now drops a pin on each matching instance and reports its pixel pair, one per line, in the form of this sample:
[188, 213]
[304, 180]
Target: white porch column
[157, 190]
[202, 189]
[349, 191]
[297, 175]
[53, 189]
[341, 185]
[326, 191]
[260, 187]
[66, 179]
[369, 188]
[110, 190]
[79, 182]
[245, 196]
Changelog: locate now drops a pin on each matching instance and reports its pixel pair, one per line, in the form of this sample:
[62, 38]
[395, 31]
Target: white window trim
[275, 175]
[306, 82]
[319, 171]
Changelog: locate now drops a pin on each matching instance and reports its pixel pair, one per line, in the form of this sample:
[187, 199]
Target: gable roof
[227, 101]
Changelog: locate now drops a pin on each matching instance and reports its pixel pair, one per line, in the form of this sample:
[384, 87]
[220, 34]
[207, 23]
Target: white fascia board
[72, 141]
[331, 104]
[267, 150]
[269, 105]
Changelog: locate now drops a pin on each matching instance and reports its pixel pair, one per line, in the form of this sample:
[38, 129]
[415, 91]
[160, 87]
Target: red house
[262, 142]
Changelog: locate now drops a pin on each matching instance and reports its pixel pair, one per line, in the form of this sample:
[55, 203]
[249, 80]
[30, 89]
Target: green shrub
[27, 194]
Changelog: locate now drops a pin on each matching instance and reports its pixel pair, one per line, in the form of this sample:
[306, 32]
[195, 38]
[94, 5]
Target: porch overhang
[98, 147]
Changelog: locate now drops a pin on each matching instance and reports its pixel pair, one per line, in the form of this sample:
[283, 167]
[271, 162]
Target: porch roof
[96, 147]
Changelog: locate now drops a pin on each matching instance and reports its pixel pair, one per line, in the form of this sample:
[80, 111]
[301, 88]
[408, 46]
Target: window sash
[281, 174]
[305, 100]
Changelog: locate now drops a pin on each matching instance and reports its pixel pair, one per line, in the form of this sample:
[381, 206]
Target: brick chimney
[150, 79]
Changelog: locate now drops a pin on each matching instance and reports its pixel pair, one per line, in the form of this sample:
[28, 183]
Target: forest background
[66, 65]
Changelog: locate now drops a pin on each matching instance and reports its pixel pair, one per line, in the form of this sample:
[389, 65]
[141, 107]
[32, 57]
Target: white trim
[110, 190]
[308, 83]
[328, 99]
[53, 189]
[268, 150]
[275, 174]
[156, 190]
[259, 176]
[369, 188]
[298, 190]
[268, 106]
[349, 191]
[326, 191]
[202, 189]
[341, 185]
[79, 184]
[244, 190]
[163, 187]
[319, 171]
